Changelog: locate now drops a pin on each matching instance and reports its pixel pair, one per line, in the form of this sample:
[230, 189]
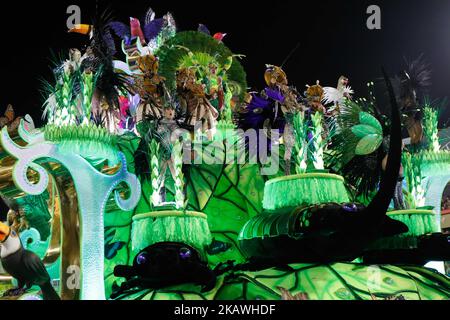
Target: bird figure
[23, 265]
[337, 96]
[219, 36]
[150, 30]
[136, 30]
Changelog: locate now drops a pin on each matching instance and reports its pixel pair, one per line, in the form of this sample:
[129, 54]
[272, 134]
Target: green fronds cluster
[434, 162]
[88, 85]
[430, 127]
[317, 144]
[70, 99]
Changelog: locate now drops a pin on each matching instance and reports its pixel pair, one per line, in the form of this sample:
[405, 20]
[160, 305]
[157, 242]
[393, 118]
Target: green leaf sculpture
[370, 134]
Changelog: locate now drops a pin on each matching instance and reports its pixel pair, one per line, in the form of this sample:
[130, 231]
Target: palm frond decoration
[430, 126]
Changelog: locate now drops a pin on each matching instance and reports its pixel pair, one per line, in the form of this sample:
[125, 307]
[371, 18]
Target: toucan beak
[81, 28]
[4, 232]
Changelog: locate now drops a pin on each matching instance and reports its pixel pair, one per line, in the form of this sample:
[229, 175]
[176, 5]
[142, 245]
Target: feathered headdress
[411, 82]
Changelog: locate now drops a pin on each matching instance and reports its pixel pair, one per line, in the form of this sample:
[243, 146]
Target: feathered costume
[197, 107]
[273, 109]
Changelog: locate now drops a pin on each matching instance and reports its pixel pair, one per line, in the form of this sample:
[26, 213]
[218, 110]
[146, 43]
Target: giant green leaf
[363, 130]
[369, 144]
[368, 119]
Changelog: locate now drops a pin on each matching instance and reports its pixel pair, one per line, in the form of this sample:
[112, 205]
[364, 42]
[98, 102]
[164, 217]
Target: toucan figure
[23, 265]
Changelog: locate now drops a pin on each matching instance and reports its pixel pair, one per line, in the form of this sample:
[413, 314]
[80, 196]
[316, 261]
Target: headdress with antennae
[289, 56]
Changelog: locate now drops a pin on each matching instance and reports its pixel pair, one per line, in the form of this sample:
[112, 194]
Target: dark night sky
[333, 39]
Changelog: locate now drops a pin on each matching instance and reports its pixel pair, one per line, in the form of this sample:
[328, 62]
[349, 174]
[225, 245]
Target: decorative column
[93, 190]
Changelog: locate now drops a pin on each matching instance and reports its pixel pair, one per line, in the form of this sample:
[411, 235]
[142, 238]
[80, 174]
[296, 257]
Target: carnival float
[160, 175]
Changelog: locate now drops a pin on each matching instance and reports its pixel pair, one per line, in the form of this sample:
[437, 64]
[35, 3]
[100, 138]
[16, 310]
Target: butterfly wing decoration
[204, 29]
[9, 119]
[170, 21]
[149, 16]
[152, 29]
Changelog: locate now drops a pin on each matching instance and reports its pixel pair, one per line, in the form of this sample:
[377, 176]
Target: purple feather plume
[120, 29]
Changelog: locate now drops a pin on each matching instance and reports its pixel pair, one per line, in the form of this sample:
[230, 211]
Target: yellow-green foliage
[413, 174]
[430, 126]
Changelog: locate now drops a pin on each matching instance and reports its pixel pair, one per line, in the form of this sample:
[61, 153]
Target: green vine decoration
[318, 144]
[155, 173]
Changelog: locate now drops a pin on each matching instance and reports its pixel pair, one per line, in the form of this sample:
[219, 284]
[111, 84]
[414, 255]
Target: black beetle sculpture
[163, 265]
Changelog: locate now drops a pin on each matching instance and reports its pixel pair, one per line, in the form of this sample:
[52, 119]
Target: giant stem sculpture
[93, 189]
